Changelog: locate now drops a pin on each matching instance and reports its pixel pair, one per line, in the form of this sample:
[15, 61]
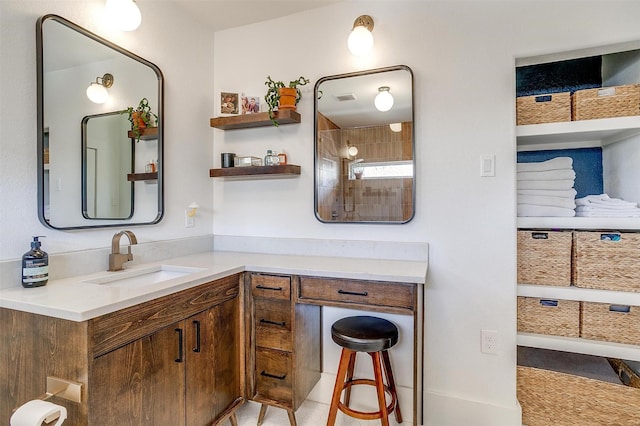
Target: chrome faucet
[116, 260]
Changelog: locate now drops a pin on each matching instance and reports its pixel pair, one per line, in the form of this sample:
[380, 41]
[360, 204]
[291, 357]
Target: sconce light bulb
[353, 151]
[125, 14]
[97, 93]
[360, 41]
[384, 99]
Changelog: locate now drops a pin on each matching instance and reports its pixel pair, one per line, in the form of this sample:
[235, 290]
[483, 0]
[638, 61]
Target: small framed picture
[229, 103]
[249, 104]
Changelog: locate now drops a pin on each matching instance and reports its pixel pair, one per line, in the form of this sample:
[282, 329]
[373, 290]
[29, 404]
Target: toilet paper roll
[34, 412]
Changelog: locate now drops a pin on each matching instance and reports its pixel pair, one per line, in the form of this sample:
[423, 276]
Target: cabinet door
[212, 362]
[141, 383]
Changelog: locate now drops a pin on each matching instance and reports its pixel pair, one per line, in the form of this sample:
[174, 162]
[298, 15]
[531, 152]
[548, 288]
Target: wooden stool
[374, 336]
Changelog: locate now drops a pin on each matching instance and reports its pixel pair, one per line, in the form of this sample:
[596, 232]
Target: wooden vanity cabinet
[175, 360]
[283, 342]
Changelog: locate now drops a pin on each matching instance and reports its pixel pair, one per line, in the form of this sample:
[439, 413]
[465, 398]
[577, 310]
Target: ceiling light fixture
[384, 99]
[360, 41]
[125, 14]
[97, 91]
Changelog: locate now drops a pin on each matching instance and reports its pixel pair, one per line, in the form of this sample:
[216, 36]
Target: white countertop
[77, 300]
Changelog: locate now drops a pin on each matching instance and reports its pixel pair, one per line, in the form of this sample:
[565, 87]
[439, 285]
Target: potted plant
[280, 96]
[141, 117]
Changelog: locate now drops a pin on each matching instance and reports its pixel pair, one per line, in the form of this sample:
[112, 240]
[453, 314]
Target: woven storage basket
[558, 399]
[606, 261]
[548, 108]
[545, 316]
[611, 323]
[615, 101]
[544, 257]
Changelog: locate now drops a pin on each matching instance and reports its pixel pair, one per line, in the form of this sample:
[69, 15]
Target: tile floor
[310, 413]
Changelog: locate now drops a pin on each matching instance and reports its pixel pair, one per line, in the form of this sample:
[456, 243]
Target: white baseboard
[448, 410]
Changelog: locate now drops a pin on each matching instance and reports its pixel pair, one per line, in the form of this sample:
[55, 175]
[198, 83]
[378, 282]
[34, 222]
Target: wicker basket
[615, 101]
[611, 323]
[548, 108]
[545, 316]
[606, 261]
[544, 257]
[550, 398]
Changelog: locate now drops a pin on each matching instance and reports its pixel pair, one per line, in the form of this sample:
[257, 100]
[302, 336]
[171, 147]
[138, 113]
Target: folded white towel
[586, 211]
[567, 203]
[525, 210]
[605, 202]
[566, 193]
[545, 184]
[547, 175]
[557, 163]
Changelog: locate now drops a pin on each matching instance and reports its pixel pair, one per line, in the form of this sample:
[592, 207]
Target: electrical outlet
[189, 221]
[489, 340]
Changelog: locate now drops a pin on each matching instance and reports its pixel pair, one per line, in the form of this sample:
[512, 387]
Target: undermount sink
[144, 276]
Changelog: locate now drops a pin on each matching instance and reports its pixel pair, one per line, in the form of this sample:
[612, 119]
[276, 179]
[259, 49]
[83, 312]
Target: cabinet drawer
[273, 375]
[273, 324]
[370, 293]
[271, 286]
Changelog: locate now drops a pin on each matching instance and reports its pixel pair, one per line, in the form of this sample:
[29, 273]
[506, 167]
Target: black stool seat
[364, 333]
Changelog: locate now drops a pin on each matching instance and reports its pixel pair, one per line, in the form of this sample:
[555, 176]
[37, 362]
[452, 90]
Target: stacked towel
[604, 206]
[546, 188]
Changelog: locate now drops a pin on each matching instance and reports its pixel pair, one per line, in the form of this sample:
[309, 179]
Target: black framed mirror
[69, 59]
[364, 147]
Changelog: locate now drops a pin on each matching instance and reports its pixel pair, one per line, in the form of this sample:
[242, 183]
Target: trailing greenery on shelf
[141, 117]
[273, 94]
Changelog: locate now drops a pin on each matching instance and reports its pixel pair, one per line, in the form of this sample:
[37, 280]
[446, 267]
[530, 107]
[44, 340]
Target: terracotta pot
[287, 98]
[136, 117]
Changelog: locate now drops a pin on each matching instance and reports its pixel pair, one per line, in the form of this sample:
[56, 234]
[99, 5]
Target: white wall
[167, 37]
[463, 56]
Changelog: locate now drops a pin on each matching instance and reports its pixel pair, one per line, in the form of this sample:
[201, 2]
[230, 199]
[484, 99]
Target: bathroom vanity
[188, 350]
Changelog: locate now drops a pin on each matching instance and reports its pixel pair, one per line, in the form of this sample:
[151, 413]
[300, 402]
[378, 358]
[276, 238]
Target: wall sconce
[97, 91]
[384, 100]
[125, 14]
[395, 127]
[360, 41]
[352, 151]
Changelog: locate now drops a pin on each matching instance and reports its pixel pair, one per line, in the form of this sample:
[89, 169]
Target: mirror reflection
[107, 160]
[364, 147]
[84, 81]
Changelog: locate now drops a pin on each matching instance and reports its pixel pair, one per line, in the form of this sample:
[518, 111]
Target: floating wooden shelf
[260, 119]
[145, 134]
[133, 177]
[256, 171]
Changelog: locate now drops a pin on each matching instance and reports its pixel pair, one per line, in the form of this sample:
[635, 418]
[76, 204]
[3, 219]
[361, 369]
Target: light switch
[488, 165]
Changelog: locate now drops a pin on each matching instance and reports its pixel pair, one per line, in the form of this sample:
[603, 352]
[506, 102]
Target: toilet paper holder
[63, 389]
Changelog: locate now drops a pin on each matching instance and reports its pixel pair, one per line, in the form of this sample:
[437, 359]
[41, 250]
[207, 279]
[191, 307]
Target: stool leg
[233, 420]
[392, 384]
[263, 411]
[377, 373]
[352, 364]
[292, 418]
[337, 389]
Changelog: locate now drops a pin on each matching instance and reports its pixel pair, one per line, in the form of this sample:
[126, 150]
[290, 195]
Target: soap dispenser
[35, 266]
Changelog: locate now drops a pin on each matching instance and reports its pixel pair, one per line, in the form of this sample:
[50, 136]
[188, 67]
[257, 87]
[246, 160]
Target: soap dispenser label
[35, 271]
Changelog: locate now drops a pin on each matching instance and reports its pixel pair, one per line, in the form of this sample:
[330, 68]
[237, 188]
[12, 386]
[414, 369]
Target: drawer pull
[549, 303]
[196, 324]
[353, 293]
[266, 321]
[264, 373]
[180, 355]
[261, 287]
